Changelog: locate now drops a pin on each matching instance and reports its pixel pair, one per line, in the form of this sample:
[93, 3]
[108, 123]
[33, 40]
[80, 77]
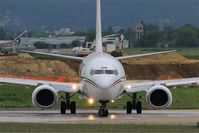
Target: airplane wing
[59, 86]
[5, 42]
[146, 85]
[55, 55]
[142, 55]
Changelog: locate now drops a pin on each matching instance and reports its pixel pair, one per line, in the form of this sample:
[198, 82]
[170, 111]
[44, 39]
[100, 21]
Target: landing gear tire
[139, 107]
[106, 113]
[66, 104]
[103, 112]
[63, 107]
[73, 107]
[128, 107]
[134, 104]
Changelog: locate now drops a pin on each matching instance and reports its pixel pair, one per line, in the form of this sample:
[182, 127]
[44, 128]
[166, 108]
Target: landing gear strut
[68, 105]
[103, 111]
[134, 104]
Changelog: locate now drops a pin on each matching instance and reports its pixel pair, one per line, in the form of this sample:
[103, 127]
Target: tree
[90, 35]
[2, 34]
[135, 43]
[186, 36]
[128, 33]
[78, 33]
[5, 34]
[151, 27]
[76, 43]
[64, 45]
[38, 34]
[41, 45]
[109, 31]
[151, 38]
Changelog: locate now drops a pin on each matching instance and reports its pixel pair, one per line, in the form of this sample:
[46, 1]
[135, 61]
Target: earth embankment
[166, 66]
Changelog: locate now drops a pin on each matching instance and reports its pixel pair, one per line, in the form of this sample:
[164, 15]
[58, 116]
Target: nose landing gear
[103, 111]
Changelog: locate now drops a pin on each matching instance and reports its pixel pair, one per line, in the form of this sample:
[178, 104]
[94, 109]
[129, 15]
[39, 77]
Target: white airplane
[103, 79]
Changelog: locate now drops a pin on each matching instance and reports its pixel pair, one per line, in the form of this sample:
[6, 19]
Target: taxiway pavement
[163, 117]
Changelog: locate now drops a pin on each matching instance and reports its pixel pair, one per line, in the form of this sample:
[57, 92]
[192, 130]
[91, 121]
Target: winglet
[98, 27]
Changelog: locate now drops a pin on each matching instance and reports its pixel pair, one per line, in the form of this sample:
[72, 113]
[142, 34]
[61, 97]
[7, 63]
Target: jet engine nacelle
[44, 97]
[159, 97]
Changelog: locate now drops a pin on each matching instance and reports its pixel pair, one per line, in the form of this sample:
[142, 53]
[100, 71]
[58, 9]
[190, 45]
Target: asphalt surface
[163, 117]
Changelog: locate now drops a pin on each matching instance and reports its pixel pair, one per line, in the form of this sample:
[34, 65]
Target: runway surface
[176, 117]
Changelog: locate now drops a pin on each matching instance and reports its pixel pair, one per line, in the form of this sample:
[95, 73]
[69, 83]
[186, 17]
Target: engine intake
[159, 97]
[44, 97]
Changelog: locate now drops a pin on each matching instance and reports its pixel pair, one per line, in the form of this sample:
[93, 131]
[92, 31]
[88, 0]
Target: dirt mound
[25, 65]
[170, 58]
[25, 56]
[167, 66]
[161, 71]
[164, 66]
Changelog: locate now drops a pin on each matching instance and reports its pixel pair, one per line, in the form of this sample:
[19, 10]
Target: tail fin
[98, 27]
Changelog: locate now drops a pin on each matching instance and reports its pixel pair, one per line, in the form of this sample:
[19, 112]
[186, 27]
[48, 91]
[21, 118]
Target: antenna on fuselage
[98, 44]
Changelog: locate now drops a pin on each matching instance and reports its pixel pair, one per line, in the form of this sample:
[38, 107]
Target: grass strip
[30, 127]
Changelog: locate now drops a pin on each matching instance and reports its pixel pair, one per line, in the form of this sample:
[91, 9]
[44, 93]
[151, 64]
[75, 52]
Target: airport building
[64, 32]
[54, 41]
[9, 46]
[5, 43]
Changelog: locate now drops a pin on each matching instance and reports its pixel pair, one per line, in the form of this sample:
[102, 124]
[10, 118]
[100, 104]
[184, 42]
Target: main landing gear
[68, 105]
[134, 104]
[103, 111]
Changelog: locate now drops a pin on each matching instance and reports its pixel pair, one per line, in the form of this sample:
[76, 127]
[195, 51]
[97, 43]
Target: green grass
[25, 127]
[14, 96]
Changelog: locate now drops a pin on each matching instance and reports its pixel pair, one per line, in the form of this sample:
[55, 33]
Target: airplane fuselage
[102, 76]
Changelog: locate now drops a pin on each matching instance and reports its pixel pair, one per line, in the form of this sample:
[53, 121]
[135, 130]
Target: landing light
[91, 117]
[74, 87]
[112, 101]
[91, 101]
[113, 117]
[128, 86]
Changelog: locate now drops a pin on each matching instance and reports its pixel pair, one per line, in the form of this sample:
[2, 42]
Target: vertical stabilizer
[98, 27]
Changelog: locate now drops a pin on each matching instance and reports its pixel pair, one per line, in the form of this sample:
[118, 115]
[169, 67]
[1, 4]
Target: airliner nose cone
[105, 82]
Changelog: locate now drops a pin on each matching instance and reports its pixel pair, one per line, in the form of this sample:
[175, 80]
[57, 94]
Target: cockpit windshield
[99, 71]
[108, 72]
